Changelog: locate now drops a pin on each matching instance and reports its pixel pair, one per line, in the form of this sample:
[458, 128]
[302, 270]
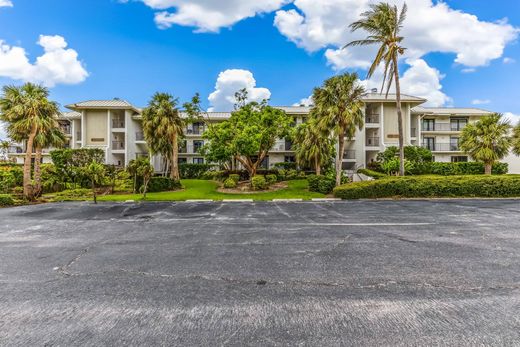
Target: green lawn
[201, 189]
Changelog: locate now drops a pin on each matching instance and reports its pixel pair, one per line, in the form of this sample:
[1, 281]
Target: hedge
[259, 183]
[371, 173]
[432, 186]
[187, 170]
[321, 184]
[230, 183]
[163, 184]
[469, 168]
[6, 200]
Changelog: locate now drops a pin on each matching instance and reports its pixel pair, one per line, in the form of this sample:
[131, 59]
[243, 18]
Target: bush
[213, 175]
[259, 183]
[230, 183]
[187, 170]
[163, 184]
[432, 186]
[291, 175]
[321, 184]
[286, 166]
[73, 194]
[6, 200]
[371, 173]
[469, 168]
[271, 179]
[234, 177]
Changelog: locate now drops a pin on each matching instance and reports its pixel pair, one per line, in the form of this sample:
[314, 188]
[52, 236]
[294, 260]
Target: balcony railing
[66, 130]
[282, 147]
[118, 145]
[443, 127]
[190, 149]
[372, 141]
[139, 136]
[141, 155]
[78, 136]
[118, 123]
[349, 154]
[413, 132]
[441, 147]
[196, 131]
[372, 119]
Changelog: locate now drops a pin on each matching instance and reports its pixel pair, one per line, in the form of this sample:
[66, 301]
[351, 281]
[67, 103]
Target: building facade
[115, 126]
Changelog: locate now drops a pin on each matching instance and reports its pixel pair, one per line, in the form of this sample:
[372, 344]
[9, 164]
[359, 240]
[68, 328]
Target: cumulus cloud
[209, 15]
[508, 60]
[305, 102]
[430, 27]
[512, 117]
[6, 3]
[57, 65]
[480, 102]
[231, 81]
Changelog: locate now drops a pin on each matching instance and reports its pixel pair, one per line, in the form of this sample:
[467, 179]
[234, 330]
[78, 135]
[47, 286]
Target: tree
[4, 148]
[516, 140]
[312, 147]
[49, 135]
[383, 22]
[487, 140]
[96, 173]
[163, 128]
[25, 110]
[145, 171]
[248, 135]
[339, 110]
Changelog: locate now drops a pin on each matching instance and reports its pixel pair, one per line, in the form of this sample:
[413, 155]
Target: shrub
[73, 194]
[213, 175]
[469, 168]
[234, 177]
[163, 184]
[371, 173]
[321, 184]
[271, 179]
[6, 200]
[286, 166]
[259, 183]
[187, 170]
[291, 175]
[432, 186]
[230, 183]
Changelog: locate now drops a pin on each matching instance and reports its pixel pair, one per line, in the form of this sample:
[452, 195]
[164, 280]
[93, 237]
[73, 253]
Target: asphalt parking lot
[372, 273]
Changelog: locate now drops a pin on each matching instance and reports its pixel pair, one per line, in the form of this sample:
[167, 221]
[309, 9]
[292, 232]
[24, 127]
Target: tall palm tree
[4, 147]
[487, 140]
[516, 140]
[50, 135]
[383, 22]
[162, 128]
[25, 110]
[339, 110]
[312, 147]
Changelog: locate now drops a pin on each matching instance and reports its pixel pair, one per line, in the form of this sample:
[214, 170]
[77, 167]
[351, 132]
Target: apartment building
[115, 126]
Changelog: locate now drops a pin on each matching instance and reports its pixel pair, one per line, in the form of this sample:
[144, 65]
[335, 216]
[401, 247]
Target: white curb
[200, 200]
[287, 200]
[326, 199]
[237, 200]
[129, 201]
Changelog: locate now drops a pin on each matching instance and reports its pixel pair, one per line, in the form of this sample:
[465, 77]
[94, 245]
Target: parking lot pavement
[370, 273]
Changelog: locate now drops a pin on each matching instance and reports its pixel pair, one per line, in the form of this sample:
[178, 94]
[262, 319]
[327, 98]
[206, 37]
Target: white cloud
[513, 118]
[6, 3]
[231, 81]
[508, 60]
[480, 102]
[468, 70]
[429, 27]
[58, 64]
[3, 134]
[209, 15]
[305, 102]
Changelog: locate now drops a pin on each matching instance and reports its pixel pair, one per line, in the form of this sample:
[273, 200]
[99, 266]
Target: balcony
[372, 142]
[118, 145]
[65, 129]
[413, 132]
[78, 136]
[139, 136]
[441, 147]
[141, 155]
[196, 131]
[283, 147]
[372, 119]
[349, 154]
[118, 124]
[443, 127]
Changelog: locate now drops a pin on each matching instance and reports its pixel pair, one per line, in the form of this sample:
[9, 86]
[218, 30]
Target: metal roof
[392, 97]
[451, 111]
[70, 115]
[294, 109]
[114, 103]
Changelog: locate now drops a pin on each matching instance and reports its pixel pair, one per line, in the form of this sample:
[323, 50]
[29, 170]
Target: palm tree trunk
[339, 156]
[488, 168]
[317, 166]
[27, 184]
[37, 172]
[175, 159]
[94, 191]
[399, 116]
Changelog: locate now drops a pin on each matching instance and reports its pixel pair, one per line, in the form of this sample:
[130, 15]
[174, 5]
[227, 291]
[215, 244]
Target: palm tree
[383, 22]
[487, 140]
[50, 135]
[312, 147]
[4, 147]
[163, 127]
[516, 140]
[25, 110]
[339, 110]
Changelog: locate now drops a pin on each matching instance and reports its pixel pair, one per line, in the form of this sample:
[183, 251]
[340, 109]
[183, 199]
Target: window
[459, 159]
[454, 143]
[429, 143]
[198, 160]
[198, 128]
[428, 125]
[197, 145]
[289, 159]
[457, 124]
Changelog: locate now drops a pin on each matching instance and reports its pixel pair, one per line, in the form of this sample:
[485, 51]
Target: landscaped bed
[203, 189]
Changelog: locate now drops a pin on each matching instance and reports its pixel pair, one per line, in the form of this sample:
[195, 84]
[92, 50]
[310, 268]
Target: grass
[201, 189]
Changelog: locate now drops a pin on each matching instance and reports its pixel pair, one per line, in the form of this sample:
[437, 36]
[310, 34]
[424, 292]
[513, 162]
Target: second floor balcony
[139, 136]
[372, 141]
[118, 123]
[442, 147]
[118, 145]
[372, 119]
[349, 154]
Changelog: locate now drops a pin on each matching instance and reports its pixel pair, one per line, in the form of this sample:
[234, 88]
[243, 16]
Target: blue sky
[130, 49]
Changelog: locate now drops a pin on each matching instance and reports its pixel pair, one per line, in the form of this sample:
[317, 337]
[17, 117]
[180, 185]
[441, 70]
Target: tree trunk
[27, 184]
[339, 156]
[488, 167]
[317, 166]
[37, 172]
[94, 191]
[175, 159]
[399, 116]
